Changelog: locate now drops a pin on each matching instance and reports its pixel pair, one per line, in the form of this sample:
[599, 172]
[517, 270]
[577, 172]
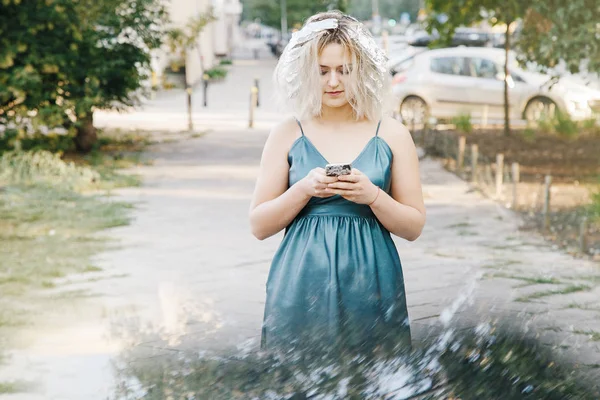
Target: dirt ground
[574, 165]
[567, 160]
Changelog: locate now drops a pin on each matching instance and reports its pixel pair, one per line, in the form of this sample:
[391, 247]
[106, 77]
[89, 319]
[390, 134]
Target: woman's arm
[274, 205]
[403, 212]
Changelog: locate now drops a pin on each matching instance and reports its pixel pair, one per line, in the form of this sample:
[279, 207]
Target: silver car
[444, 83]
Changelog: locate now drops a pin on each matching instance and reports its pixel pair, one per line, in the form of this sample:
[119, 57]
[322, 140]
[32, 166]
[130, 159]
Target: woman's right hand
[315, 183]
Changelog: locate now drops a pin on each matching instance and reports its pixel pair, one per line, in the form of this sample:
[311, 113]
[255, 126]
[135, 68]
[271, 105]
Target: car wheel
[539, 108]
[414, 111]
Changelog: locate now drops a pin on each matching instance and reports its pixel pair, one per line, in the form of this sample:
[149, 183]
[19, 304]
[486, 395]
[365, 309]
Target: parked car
[462, 37]
[396, 57]
[443, 83]
[276, 43]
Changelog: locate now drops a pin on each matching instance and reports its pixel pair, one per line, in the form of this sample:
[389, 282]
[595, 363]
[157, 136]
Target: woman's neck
[337, 114]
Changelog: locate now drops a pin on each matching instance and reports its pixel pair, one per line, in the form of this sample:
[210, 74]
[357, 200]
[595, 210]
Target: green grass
[595, 336]
[529, 280]
[9, 318]
[15, 387]
[459, 225]
[567, 290]
[582, 306]
[501, 263]
[51, 211]
[8, 388]
[45, 233]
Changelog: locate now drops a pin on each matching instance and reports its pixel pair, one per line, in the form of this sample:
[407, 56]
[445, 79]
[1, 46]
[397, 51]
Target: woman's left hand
[355, 187]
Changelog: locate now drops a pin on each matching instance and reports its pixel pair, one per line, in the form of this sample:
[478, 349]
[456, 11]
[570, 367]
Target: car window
[483, 68]
[516, 77]
[449, 65]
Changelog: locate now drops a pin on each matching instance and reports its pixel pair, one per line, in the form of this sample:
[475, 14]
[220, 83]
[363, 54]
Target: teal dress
[336, 277]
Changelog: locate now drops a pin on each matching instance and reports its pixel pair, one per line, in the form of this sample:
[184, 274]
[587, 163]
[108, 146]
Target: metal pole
[257, 92]
[284, 27]
[375, 18]
[189, 107]
[205, 78]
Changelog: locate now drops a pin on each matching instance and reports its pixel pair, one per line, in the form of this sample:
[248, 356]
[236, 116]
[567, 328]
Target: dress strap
[377, 131]
[300, 125]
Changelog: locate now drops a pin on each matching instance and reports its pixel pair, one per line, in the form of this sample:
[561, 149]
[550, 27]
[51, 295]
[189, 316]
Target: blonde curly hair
[297, 80]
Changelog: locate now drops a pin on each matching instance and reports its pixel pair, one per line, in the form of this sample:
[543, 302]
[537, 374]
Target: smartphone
[338, 169]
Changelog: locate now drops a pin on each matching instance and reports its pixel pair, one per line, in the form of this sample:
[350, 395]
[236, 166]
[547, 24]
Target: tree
[114, 58]
[62, 59]
[466, 13]
[181, 41]
[269, 11]
[38, 40]
[557, 32]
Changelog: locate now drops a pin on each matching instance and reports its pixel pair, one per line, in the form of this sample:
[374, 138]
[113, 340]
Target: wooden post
[499, 173]
[386, 41]
[253, 99]
[460, 159]
[546, 210]
[488, 175]
[516, 178]
[484, 117]
[583, 227]
[474, 157]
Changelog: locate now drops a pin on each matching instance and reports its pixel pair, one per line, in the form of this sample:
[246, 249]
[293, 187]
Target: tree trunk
[506, 78]
[86, 133]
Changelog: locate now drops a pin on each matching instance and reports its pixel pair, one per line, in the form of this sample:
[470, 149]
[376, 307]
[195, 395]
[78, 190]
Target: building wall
[226, 28]
[217, 39]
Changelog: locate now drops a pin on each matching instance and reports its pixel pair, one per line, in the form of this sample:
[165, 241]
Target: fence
[499, 180]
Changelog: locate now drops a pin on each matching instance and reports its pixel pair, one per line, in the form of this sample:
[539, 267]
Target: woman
[337, 275]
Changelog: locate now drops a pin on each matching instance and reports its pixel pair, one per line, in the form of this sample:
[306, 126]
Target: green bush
[546, 123]
[564, 126]
[44, 167]
[216, 73]
[596, 205]
[589, 124]
[529, 134]
[53, 142]
[7, 139]
[226, 61]
[463, 123]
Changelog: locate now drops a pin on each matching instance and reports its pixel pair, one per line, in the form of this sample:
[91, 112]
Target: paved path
[189, 274]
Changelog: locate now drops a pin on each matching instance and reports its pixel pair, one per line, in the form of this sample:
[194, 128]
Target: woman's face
[334, 75]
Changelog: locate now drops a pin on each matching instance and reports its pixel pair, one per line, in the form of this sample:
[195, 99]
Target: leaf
[50, 69]
[6, 61]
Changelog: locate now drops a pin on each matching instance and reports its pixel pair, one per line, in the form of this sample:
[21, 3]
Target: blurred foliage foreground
[484, 363]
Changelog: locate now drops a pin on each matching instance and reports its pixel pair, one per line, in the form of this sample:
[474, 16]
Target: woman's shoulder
[286, 131]
[395, 133]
